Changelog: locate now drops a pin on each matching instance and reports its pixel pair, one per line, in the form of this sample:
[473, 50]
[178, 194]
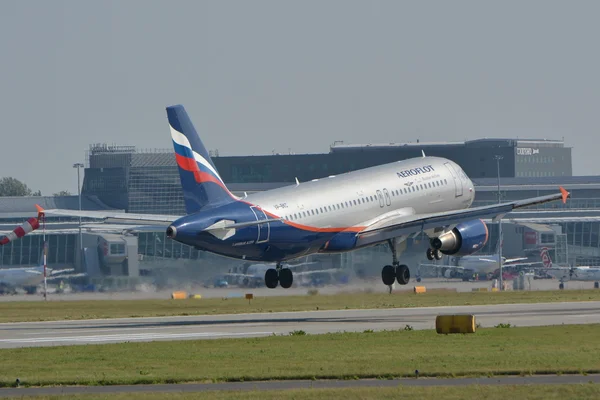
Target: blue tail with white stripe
[201, 183]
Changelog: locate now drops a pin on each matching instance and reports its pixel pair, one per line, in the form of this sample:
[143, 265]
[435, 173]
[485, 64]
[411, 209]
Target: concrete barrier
[179, 295]
[420, 289]
[461, 323]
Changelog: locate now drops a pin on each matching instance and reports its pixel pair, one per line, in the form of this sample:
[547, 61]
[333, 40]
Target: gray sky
[257, 76]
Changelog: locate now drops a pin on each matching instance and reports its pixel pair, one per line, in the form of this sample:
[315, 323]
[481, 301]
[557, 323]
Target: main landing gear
[276, 275]
[391, 273]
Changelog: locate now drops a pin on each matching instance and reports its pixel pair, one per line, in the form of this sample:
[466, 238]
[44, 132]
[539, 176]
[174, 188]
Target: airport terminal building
[148, 181]
[124, 178]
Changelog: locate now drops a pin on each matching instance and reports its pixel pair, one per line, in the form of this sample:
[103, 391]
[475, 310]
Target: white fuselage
[480, 265]
[19, 277]
[579, 273]
[415, 186]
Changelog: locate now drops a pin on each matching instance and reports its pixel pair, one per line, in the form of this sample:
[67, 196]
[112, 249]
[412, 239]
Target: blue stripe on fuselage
[186, 152]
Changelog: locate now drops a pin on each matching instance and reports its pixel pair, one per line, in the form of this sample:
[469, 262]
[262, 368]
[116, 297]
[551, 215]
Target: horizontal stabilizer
[241, 224]
[126, 228]
[224, 229]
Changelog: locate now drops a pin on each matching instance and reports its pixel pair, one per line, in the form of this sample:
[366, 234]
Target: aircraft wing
[520, 264]
[55, 278]
[112, 216]
[440, 266]
[61, 271]
[408, 224]
[511, 260]
[320, 271]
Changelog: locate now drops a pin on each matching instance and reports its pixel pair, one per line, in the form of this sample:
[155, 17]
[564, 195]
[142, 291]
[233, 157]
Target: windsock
[28, 226]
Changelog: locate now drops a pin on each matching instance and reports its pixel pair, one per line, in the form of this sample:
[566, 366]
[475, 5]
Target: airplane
[339, 213]
[28, 278]
[564, 274]
[485, 265]
[255, 274]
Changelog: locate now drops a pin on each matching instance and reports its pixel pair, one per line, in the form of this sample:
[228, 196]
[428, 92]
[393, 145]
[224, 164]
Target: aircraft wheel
[561, 286]
[388, 275]
[402, 274]
[429, 254]
[419, 279]
[286, 278]
[271, 278]
[437, 254]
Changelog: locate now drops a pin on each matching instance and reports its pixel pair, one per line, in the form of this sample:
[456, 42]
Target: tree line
[13, 187]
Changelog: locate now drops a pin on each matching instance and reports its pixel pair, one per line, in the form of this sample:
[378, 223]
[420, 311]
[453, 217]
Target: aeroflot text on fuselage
[415, 171]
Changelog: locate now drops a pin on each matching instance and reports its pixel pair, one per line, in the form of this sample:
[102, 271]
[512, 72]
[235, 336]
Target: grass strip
[26, 311]
[383, 355]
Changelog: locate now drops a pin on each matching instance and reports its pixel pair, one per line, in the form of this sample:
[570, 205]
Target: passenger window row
[421, 186]
[363, 200]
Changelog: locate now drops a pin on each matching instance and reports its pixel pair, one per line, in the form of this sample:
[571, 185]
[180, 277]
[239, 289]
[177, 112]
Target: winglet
[297, 182]
[40, 210]
[423, 152]
[565, 194]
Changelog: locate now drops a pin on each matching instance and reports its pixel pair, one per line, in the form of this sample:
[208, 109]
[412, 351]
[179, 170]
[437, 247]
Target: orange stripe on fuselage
[487, 232]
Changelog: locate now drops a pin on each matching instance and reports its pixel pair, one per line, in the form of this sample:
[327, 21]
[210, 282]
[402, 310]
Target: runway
[53, 333]
[286, 385]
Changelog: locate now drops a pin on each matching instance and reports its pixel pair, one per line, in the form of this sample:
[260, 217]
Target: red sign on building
[530, 237]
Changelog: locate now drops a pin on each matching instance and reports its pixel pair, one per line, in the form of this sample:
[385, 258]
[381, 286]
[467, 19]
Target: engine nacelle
[343, 241]
[466, 238]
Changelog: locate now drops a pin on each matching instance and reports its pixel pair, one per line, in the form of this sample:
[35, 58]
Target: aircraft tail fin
[546, 260]
[202, 185]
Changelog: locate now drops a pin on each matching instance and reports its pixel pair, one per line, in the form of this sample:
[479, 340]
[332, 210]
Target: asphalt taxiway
[53, 333]
[300, 384]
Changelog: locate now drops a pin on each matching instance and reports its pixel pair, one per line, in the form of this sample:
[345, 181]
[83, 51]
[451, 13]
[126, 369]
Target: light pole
[79, 165]
[498, 158]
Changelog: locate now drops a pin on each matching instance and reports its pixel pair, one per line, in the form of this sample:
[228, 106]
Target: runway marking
[134, 328]
[130, 337]
[101, 330]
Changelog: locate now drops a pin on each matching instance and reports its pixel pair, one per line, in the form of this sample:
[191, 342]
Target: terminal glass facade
[28, 250]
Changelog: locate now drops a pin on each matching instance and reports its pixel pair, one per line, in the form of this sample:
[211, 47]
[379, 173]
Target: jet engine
[343, 241]
[466, 238]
